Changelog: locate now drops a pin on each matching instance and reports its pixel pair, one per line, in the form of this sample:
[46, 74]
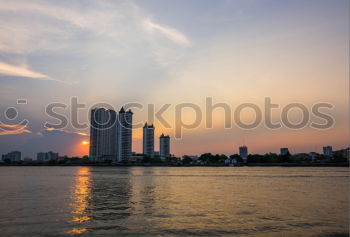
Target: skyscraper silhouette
[148, 140]
[164, 146]
[110, 135]
[243, 152]
[124, 135]
[102, 134]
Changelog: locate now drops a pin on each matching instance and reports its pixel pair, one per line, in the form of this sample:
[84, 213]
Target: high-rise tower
[164, 146]
[102, 134]
[124, 135]
[243, 153]
[110, 135]
[148, 140]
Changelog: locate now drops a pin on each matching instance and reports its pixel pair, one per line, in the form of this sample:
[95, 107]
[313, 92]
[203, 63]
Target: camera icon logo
[11, 125]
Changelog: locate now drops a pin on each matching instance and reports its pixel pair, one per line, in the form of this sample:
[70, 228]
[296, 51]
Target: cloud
[89, 19]
[13, 129]
[20, 71]
[82, 134]
[97, 29]
[64, 131]
[170, 33]
[27, 27]
[102, 20]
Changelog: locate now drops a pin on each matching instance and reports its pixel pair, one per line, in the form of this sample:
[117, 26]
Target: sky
[171, 52]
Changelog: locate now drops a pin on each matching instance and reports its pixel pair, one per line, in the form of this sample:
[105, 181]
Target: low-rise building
[27, 159]
[284, 151]
[230, 161]
[136, 157]
[328, 151]
[313, 156]
[13, 156]
[47, 156]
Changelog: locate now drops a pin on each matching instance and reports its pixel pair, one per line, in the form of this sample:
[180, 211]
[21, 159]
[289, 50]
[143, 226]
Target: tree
[205, 157]
[285, 158]
[340, 156]
[156, 160]
[271, 157]
[255, 158]
[186, 160]
[237, 157]
[146, 159]
[222, 158]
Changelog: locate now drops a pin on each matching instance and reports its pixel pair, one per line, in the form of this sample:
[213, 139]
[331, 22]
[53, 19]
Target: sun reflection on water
[81, 193]
[77, 231]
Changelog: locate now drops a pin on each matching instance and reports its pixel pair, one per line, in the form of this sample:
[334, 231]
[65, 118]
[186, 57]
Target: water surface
[110, 201]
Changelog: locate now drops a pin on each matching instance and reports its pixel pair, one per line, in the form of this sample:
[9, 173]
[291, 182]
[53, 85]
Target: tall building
[148, 140]
[103, 131]
[284, 151]
[110, 135]
[328, 151]
[243, 153]
[124, 135]
[164, 146]
[13, 156]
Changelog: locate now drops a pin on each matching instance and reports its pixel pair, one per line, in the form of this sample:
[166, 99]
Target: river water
[185, 201]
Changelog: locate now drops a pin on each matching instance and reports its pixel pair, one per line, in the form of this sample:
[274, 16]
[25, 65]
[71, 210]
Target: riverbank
[181, 165]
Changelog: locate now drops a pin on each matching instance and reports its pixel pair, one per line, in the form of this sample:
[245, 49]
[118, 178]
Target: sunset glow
[174, 118]
[235, 52]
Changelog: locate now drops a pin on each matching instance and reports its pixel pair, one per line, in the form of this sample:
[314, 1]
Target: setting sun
[85, 142]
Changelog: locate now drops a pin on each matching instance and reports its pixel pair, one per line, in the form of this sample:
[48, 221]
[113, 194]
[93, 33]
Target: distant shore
[207, 165]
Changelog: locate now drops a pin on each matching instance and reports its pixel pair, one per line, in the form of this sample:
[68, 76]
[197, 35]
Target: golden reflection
[80, 219]
[80, 199]
[77, 231]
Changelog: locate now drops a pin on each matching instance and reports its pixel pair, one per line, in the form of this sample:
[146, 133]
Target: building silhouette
[110, 135]
[284, 151]
[124, 135]
[164, 146]
[103, 125]
[243, 153]
[47, 156]
[13, 156]
[328, 151]
[148, 140]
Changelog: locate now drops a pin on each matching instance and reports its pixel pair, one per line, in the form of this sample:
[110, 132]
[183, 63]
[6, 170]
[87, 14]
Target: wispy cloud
[170, 33]
[22, 71]
[92, 19]
[65, 131]
[53, 28]
[13, 129]
[60, 27]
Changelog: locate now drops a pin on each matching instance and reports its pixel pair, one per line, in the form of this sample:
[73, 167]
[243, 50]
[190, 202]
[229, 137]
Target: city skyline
[111, 140]
[174, 118]
[327, 156]
[171, 53]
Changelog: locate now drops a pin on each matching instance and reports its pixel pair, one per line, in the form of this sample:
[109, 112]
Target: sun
[85, 142]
